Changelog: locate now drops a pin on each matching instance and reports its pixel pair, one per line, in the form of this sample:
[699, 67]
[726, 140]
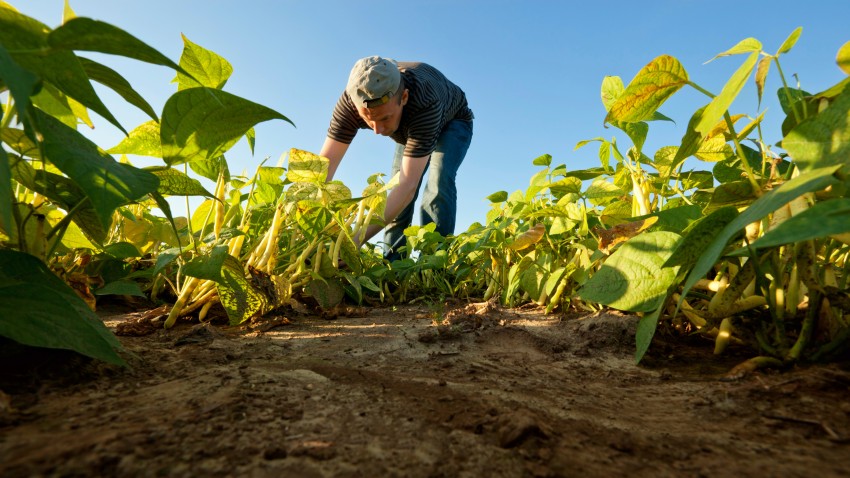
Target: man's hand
[400, 196]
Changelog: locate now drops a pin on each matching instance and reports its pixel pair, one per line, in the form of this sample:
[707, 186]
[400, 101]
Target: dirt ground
[386, 392]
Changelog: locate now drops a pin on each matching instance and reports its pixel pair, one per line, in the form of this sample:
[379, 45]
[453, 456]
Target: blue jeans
[439, 199]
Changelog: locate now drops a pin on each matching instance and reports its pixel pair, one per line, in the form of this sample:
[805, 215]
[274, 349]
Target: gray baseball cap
[373, 81]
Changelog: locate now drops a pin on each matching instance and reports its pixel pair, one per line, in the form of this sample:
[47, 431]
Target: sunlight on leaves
[203, 123]
[649, 89]
[633, 277]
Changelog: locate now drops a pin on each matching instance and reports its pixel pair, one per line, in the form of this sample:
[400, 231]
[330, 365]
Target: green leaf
[107, 183]
[691, 140]
[240, 299]
[633, 277]
[93, 35]
[731, 170]
[714, 149]
[18, 140]
[121, 287]
[350, 254]
[747, 45]
[328, 293]
[649, 89]
[211, 168]
[122, 250]
[543, 160]
[657, 116]
[26, 40]
[251, 136]
[173, 182]
[602, 189]
[788, 97]
[814, 180]
[584, 142]
[663, 160]
[823, 219]
[699, 236]
[206, 67]
[298, 192]
[335, 192]
[843, 58]
[790, 41]
[636, 131]
[165, 258]
[312, 218]
[612, 88]
[675, 219]
[21, 83]
[203, 123]
[498, 197]
[5, 192]
[305, 167]
[38, 309]
[646, 329]
[208, 266]
[144, 140]
[736, 193]
[585, 174]
[720, 104]
[533, 280]
[63, 192]
[564, 186]
[56, 104]
[114, 81]
[822, 140]
[696, 180]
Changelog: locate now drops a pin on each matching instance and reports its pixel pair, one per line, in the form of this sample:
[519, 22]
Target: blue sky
[531, 70]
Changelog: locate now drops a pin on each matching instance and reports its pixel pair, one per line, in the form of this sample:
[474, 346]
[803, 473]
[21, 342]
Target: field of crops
[736, 237]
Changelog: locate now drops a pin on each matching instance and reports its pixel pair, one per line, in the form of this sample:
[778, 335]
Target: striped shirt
[433, 101]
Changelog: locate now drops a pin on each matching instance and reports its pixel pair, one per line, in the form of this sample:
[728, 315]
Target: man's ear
[404, 96]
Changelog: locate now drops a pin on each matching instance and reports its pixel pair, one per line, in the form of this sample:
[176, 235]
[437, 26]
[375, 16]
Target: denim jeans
[439, 199]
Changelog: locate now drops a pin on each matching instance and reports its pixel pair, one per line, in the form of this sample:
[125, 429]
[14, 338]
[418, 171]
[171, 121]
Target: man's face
[384, 119]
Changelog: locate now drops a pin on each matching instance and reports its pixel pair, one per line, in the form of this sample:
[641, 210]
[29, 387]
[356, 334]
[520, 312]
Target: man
[428, 117]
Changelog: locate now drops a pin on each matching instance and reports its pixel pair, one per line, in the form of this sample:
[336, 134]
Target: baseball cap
[373, 81]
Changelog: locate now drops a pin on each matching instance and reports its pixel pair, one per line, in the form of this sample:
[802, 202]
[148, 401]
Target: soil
[392, 392]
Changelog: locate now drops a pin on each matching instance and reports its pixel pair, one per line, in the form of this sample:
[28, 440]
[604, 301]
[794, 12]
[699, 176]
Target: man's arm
[400, 196]
[334, 151]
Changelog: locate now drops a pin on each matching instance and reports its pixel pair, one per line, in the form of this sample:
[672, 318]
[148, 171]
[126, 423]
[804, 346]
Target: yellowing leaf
[790, 41]
[720, 104]
[747, 45]
[612, 88]
[843, 58]
[652, 86]
[761, 74]
[240, 297]
[306, 167]
[529, 237]
[714, 149]
[608, 238]
[721, 126]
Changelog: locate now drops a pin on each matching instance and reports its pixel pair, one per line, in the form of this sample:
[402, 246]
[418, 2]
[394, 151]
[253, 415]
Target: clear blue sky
[531, 69]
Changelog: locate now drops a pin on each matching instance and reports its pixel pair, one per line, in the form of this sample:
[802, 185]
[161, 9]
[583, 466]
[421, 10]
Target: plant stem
[815, 300]
[741, 155]
[787, 91]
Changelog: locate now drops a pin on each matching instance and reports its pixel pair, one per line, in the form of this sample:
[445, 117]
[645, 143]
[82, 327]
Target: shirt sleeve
[345, 121]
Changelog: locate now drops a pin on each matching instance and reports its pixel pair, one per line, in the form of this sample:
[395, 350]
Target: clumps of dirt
[607, 333]
[517, 427]
[146, 324]
[472, 317]
[603, 333]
